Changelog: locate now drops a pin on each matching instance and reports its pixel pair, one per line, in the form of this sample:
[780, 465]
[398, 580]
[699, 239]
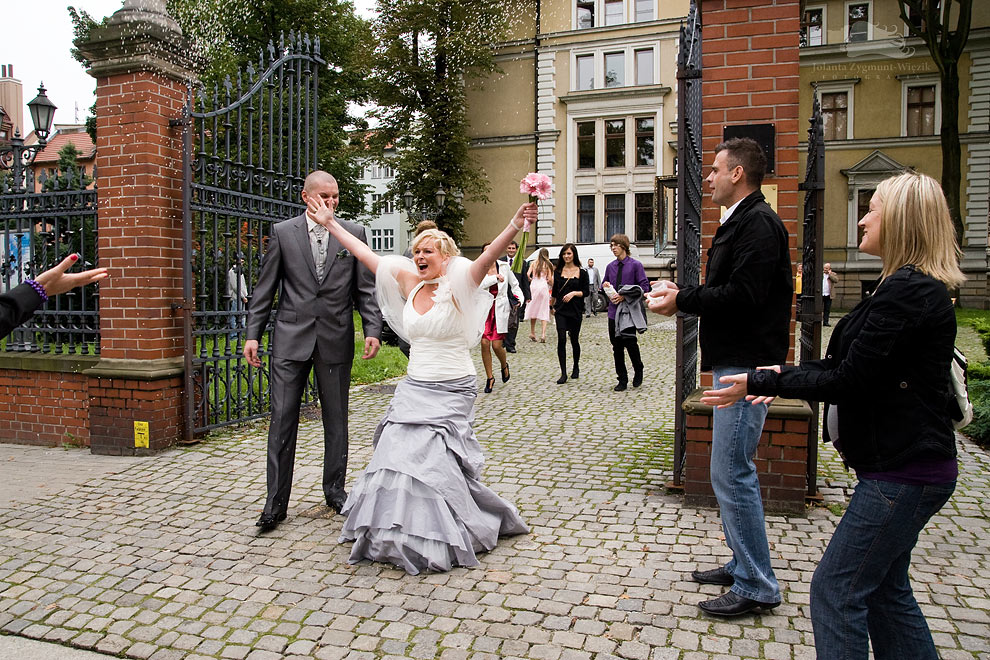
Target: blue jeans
[735, 436]
[860, 592]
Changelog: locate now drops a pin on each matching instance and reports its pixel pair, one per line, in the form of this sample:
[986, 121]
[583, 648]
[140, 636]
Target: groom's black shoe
[336, 501]
[732, 604]
[269, 521]
[714, 576]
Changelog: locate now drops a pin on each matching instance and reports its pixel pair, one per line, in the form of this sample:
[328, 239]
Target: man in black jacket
[519, 307]
[745, 307]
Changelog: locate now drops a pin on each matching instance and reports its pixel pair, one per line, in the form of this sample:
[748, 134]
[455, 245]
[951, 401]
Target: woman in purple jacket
[623, 271]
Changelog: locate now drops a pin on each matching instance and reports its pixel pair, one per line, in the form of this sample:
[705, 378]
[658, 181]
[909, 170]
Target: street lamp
[409, 201]
[16, 156]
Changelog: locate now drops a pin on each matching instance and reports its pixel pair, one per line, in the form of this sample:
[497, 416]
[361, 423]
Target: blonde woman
[540, 282]
[886, 387]
[420, 504]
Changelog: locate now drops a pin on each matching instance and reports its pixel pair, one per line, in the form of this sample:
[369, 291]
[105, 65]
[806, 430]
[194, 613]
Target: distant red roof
[87, 150]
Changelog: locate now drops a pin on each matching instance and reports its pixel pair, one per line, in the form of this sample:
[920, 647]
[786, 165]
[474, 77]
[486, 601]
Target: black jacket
[17, 306]
[887, 368]
[745, 302]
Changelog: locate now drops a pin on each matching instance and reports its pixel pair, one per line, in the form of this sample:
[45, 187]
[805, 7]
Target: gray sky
[37, 38]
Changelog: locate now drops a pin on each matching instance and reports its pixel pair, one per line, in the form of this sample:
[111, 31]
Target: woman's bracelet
[39, 288]
[512, 221]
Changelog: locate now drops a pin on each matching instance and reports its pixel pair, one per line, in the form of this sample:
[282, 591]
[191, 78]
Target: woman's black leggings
[572, 326]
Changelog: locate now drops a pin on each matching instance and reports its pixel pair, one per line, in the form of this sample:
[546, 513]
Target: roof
[84, 144]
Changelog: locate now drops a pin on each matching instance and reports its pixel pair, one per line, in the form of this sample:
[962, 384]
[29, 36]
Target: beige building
[586, 97]
[880, 96]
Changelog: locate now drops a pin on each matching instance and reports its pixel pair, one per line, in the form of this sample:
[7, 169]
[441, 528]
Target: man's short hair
[621, 240]
[748, 153]
[511, 243]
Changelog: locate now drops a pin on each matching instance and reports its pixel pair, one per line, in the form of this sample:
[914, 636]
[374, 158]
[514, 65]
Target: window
[835, 115]
[585, 71]
[644, 217]
[615, 143]
[615, 69]
[644, 10]
[388, 206]
[383, 240]
[920, 110]
[585, 14]
[813, 27]
[858, 21]
[644, 66]
[916, 19]
[586, 218]
[586, 145]
[644, 142]
[615, 215]
[614, 14]
[863, 197]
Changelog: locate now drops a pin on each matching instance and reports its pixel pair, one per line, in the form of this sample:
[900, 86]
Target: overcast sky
[36, 41]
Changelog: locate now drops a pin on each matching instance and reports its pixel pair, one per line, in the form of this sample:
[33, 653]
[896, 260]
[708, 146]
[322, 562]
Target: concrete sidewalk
[159, 558]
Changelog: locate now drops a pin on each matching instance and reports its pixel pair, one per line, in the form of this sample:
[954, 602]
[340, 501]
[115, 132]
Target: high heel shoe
[562, 379]
[543, 340]
[505, 372]
[532, 337]
[575, 373]
[489, 385]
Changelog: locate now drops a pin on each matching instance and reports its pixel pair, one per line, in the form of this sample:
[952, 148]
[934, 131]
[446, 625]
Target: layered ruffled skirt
[420, 504]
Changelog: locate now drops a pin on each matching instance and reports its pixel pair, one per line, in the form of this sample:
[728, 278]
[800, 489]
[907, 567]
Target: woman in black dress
[570, 287]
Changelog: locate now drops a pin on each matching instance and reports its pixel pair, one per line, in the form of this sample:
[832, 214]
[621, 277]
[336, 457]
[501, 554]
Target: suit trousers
[288, 382]
[621, 345]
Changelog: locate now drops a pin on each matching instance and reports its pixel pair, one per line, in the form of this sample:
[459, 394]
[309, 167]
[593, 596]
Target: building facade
[585, 95]
[388, 231]
[880, 95]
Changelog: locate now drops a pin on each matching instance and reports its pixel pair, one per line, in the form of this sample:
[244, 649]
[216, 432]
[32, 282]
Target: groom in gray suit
[319, 285]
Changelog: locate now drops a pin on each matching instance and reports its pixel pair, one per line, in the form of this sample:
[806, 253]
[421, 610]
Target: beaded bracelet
[39, 289]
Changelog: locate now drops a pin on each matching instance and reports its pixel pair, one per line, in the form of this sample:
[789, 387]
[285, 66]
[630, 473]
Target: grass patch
[389, 362]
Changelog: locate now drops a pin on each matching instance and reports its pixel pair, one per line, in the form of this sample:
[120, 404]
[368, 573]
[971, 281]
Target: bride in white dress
[420, 503]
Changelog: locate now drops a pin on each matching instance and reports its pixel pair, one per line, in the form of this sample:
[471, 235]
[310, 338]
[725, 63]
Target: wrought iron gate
[37, 230]
[689, 164]
[248, 146]
[809, 313]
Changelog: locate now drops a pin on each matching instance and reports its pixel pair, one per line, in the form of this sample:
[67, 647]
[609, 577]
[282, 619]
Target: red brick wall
[116, 403]
[43, 407]
[139, 168]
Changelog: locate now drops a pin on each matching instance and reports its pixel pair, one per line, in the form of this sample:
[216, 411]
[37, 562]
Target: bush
[978, 378]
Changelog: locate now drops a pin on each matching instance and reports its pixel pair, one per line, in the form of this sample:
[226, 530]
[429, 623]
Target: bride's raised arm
[524, 217]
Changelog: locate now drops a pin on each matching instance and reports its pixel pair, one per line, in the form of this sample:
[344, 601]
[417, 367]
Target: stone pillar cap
[145, 11]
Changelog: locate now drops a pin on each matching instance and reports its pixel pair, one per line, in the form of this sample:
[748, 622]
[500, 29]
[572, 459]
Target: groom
[319, 285]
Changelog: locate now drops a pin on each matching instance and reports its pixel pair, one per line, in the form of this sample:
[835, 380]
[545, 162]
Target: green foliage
[978, 377]
[71, 175]
[426, 50]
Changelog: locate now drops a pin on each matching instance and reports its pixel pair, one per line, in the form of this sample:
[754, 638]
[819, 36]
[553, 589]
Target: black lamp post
[409, 201]
[16, 156]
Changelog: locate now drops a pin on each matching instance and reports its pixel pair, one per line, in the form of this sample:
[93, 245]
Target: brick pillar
[750, 76]
[140, 63]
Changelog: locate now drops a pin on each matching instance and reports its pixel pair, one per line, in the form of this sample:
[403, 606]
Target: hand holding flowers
[538, 187]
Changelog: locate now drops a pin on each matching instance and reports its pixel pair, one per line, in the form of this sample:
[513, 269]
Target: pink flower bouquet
[538, 187]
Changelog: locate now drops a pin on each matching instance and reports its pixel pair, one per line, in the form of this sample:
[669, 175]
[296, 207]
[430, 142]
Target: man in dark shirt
[745, 307]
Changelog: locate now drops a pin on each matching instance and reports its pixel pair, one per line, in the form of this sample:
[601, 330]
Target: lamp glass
[42, 113]
[407, 200]
[441, 197]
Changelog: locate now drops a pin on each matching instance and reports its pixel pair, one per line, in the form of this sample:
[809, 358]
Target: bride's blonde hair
[445, 244]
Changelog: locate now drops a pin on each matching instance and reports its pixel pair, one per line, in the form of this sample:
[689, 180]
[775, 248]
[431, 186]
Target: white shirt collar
[310, 223]
[728, 212]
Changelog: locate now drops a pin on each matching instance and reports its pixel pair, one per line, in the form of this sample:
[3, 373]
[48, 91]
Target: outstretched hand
[55, 280]
[321, 211]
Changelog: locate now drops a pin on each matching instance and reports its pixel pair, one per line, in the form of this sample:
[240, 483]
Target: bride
[420, 503]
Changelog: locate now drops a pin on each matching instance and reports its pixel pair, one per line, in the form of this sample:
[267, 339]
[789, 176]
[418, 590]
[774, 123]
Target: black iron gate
[38, 230]
[810, 297]
[689, 164]
[248, 146]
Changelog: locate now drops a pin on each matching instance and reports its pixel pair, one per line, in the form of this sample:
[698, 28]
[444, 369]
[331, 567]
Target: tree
[426, 50]
[932, 21]
[70, 174]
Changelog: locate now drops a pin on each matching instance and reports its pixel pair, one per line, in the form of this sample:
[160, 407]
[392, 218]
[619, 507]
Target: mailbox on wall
[764, 134]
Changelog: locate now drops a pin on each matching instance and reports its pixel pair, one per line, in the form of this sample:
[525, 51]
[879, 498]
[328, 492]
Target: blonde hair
[445, 244]
[916, 228]
[543, 266]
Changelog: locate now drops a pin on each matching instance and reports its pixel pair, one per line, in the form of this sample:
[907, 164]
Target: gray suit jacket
[311, 312]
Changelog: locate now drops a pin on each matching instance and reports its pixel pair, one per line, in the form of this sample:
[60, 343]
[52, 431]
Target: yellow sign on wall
[769, 191]
[142, 433]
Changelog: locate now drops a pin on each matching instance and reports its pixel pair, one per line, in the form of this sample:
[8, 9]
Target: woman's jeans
[735, 436]
[860, 592]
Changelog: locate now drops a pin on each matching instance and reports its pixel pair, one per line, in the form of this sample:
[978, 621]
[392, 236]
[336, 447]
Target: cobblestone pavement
[161, 559]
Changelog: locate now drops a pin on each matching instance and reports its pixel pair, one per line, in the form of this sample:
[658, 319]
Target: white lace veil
[387, 291]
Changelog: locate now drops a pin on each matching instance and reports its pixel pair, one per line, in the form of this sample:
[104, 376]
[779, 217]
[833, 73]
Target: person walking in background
[319, 284]
[745, 311]
[518, 306]
[501, 283]
[828, 280]
[622, 272]
[540, 277]
[594, 285]
[886, 386]
[570, 289]
[237, 293]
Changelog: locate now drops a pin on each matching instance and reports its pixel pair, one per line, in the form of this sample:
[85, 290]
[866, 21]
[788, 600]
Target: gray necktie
[319, 245]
